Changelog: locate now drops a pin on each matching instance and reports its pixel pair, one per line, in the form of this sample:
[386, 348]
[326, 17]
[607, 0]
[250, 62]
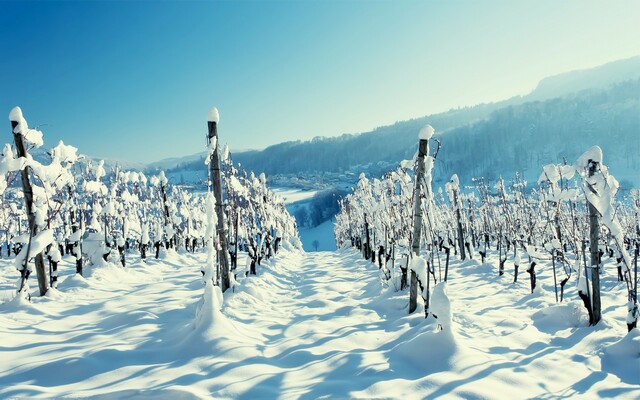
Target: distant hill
[525, 137]
[595, 78]
[564, 115]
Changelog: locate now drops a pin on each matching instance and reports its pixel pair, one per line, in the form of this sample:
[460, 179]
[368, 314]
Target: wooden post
[463, 255]
[235, 244]
[447, 251]
[214, 165]
[349, 220]
[423, 150]
[367, 253]
[595, 257]
[474, 236]
[633, 322]
[18, 137]
[76, 249]
[555, 279]
[167, 218]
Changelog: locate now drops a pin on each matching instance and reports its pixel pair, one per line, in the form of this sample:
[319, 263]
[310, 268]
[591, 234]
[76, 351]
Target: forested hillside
[521, 137]
[486, 140]
[512, 138]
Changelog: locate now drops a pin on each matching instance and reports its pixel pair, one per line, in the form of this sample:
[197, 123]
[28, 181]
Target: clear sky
[135, 80]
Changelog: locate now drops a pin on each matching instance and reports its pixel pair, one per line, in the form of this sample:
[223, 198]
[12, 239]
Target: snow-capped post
[216, 182]
[74, 239]
[15, 116]
[593, 166]
[55, 256]
[553, 264]
[600, 188]
[463, 255]
[235, 240]
[144, 240]
[423, 150]
[171, 240]
[453, 189]
[368, 249]
[634, 313]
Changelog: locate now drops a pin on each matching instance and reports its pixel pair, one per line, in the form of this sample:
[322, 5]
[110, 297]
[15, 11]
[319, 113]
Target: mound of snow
[441, 306]
[623, 358]
[628, 347]
[429, 352]
[19, 302]
[210, 324]
[558, 317]
[74, 281]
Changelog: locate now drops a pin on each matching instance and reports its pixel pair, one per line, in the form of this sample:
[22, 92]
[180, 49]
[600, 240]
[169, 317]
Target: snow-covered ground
[294, 195]
[322, 233]
[296, 198]
[312, 325]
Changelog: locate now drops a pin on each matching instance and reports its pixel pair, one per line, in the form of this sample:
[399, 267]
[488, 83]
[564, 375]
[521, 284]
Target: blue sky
[135, 80]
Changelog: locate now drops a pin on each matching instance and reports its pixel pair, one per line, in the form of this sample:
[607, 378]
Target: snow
[225, 153]
[293, 195]
[210, 237]
[600, 190]
[406, 164]
[30, 135]
[426, 133]
[15, 115]
[451, 187]
[162, 178]
[455, 181]
[38, 244]
[144, 239]
[210, 323]
[440, 306]
[213, 115]
[95, 187]
[323, 233]
[419, 266]
[55, 254]
[9, 163]
[593, 154]
[312, 325]
[99, 170]
[64, 153]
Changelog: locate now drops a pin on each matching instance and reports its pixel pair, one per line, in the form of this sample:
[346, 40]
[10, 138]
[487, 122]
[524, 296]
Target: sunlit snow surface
[311, 325]
[294, 195]
[321, 235]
